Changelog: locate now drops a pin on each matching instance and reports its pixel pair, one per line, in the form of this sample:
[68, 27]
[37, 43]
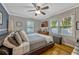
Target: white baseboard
[69, 44]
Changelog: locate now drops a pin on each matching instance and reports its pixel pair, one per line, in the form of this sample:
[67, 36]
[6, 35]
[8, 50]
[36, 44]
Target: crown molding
[5, 8]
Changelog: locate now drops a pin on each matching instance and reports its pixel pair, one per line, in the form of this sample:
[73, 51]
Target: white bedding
[47, 37]
[25, 46]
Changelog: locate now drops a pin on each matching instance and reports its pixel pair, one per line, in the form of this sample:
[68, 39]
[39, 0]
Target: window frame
[55, 27]
[30, 27]
[66, 28]
[59, 26]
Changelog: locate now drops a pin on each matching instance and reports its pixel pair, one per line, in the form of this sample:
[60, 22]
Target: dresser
[45, 33]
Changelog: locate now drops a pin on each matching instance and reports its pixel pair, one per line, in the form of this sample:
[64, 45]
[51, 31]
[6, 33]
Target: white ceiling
[21, 9]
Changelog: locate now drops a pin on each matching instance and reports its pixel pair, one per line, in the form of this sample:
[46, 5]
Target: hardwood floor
[59, 50]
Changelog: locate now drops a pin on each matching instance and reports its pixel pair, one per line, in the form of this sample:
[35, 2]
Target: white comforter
[47, 37]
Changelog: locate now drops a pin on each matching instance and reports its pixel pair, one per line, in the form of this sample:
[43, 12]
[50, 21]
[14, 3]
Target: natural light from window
[30, 27]
[63, 27]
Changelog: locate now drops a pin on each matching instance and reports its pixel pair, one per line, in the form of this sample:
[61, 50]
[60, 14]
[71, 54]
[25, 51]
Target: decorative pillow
[13, 41]
[8, 44]
[23, 35]
[18, 38]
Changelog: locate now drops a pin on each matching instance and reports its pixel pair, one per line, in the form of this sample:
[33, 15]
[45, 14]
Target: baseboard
[69, 45]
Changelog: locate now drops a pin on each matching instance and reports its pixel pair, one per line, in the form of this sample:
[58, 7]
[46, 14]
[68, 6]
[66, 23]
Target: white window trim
[73, 18]
[30, 26]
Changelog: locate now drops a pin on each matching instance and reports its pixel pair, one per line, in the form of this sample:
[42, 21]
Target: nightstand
[57, 39]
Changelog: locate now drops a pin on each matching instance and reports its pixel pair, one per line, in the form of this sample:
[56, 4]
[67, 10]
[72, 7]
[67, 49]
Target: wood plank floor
[59, 50]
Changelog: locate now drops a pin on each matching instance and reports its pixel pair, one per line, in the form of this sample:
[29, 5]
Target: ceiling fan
[38, 9]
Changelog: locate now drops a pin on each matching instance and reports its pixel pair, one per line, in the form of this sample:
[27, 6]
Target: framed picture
[77, 25]
[18, 24]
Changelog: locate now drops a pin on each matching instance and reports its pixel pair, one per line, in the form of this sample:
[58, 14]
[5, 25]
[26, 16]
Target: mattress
[37, 41]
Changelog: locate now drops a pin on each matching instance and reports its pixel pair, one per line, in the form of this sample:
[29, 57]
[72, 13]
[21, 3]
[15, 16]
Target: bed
[34, 43]
[39, 41]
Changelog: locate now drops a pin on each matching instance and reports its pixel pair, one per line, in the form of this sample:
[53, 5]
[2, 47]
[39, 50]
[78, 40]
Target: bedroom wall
[77, 20]
[69, 40]
[13, 19]
[4, 25]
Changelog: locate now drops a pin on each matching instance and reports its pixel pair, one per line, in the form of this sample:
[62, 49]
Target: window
[66, 26]
[54, 26]
[63, 27]
[30, 27]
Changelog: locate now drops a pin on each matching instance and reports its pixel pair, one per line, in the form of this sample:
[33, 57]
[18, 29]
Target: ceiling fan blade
[34, 4]
[43, 13]
[46, 7]
[35, 14]
[31, 10]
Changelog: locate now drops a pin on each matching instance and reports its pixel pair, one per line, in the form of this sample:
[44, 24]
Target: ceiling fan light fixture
[38, 12]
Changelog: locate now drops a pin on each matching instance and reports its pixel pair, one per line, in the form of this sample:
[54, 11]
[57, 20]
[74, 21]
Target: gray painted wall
[3, 27]
[13, 19]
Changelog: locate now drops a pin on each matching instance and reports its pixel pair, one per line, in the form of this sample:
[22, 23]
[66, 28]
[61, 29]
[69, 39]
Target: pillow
[11, 34]
[7, 43]
[10, 41]
[13, 41]
[18, 38]
[23, 35]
